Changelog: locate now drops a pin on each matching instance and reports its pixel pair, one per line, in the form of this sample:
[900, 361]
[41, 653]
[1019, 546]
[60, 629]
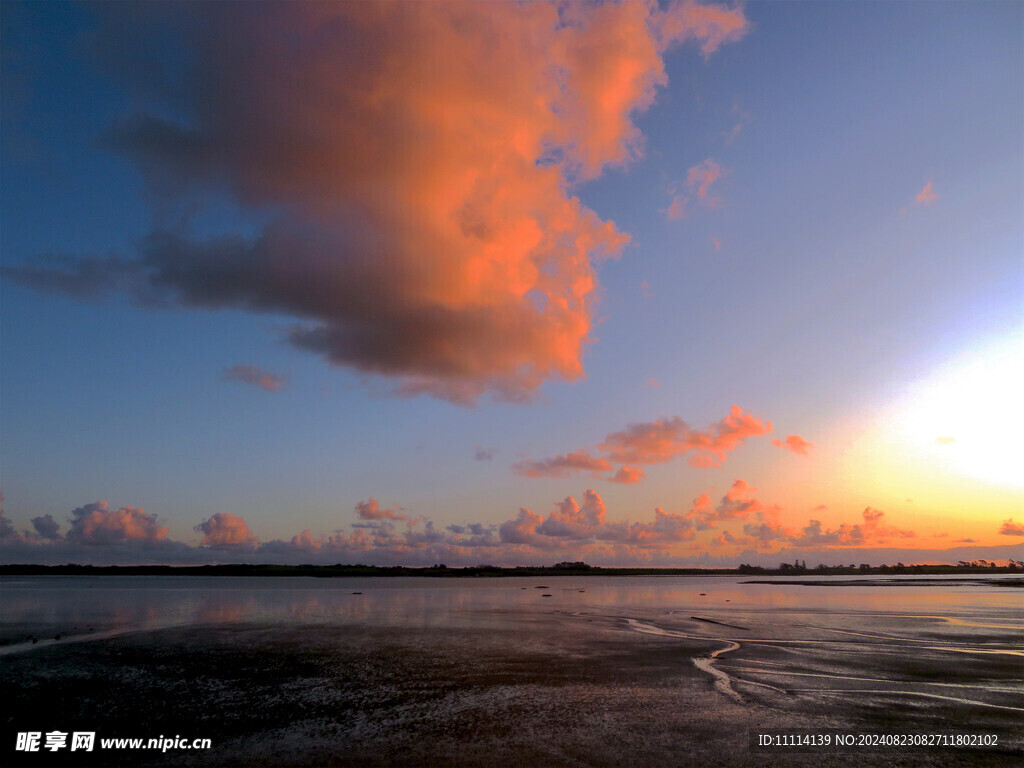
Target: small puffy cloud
[873, 528]
[765, 532]
[46, 527]
[926, 195]
[521, 530]
[726, 539]
[677, 208]
[628, 475]
[228, 532]
[650, 442]
[699, 180]
[666, 529]
[562, 465]
[1010, 528]
[738, 501]
[569, 520]
[700, 177]
[794, 444]
[711, 25]
[7, 531]
[250, 374]
[97, 523]
[742, 118]
[370, 510]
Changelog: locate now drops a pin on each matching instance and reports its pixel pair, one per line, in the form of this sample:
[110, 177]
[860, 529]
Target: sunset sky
[406, 283]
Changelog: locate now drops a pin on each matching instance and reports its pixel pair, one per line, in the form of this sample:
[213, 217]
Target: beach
[502, 675]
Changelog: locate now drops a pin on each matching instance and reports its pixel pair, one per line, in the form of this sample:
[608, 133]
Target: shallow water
[825, 639]
[357, 666]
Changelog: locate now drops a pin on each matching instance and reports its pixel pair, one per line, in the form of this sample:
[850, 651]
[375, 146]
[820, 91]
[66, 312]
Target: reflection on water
[63, 603]
[959, 643]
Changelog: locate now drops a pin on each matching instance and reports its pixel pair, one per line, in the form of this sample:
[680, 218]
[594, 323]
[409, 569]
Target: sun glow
[968, 418]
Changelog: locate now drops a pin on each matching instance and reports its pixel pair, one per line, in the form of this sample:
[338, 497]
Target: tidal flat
[654, 671]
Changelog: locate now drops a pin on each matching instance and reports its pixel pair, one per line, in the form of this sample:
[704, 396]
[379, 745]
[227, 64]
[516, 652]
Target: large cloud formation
[228, 532]
[413, 164]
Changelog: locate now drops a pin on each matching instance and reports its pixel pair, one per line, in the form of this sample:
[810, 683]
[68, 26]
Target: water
[923, 657]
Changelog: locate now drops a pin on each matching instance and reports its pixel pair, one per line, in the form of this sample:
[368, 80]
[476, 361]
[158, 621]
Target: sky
[640, 283]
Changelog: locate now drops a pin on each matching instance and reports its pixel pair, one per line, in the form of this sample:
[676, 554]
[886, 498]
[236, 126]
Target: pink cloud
[699, 180]
[370, 510]
[569, 520]
[725, 436]
[228, 532]
[426, 229]
[677, 208]
[654, 442]
[700, 177]
[97, 523]
[661, 440]
[250, 374]
[628, 475]
[522, 530]
[794, 444]
[711, 25]
[872, 529]
[926, 195]
[562, 465]
[737, 503]
[666, 529]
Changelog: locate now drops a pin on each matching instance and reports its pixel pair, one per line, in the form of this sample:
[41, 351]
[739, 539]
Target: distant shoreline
[487, 571]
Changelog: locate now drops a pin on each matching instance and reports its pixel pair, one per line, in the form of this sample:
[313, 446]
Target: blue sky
[838, 283]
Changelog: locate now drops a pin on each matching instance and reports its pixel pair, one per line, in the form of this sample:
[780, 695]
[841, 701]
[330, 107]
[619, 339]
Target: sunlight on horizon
[966, 418]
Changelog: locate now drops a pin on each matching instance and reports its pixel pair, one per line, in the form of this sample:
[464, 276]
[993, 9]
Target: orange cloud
[794, 444]
[737, 503]
[658, 441]
[562, 465]
[1010, 528]
[665, 530]
[250, 374]
[926, 195]
[420, 158]
[628, 475]
[569, 520]
[370, 510]
[97, 523]
[228, 532]
[653, 442]
[872, 529]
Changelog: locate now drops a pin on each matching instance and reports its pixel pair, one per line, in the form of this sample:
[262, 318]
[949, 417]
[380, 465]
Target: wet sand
[544, 688]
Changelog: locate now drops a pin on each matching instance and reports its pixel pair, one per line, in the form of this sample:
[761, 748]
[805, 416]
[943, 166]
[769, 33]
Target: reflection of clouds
[129, 603]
